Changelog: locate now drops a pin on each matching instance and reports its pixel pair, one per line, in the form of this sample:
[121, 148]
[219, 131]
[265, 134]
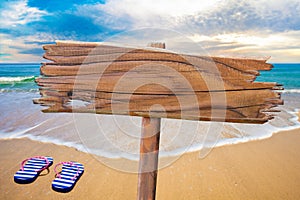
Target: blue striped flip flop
[67, 178]
[31, 168]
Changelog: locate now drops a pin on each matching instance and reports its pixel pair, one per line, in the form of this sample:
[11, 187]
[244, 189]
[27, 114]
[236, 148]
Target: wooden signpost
[108, 79]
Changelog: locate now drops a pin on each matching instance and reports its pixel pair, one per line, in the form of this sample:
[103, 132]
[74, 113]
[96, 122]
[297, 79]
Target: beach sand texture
[264, 169]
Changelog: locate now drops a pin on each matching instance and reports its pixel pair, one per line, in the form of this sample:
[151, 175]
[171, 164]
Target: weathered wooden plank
[129, 81]
[80, 51]
[106, 53]
[177, 69]
[199, 63]
[49, 69]
[102, 48]
[202, 100]
[206, 115]
[76, 44]
[185, 82]
[238, 105]
[244, 64]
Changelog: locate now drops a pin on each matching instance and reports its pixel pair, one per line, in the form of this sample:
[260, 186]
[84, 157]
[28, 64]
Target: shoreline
[60, 129]
[261, 169]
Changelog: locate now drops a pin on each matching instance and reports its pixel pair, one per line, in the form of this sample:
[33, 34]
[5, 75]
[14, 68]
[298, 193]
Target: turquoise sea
[18, 77]
[285, 73]
[20, 118]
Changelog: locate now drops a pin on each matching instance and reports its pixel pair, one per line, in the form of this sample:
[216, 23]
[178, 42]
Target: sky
[258, 28]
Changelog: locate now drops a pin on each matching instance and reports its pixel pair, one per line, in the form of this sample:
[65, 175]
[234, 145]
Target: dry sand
[265, 169]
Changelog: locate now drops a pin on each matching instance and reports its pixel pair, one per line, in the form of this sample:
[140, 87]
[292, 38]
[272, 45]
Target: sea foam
[118, 136]
[6, 80]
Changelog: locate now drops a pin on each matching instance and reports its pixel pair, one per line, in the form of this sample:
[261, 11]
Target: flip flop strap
[38, 157]
[57, 174]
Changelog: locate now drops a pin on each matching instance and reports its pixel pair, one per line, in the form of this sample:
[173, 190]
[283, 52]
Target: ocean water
[118, 136]
[18, 77]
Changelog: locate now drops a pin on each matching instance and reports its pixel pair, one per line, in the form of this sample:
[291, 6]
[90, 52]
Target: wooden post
[149, 149]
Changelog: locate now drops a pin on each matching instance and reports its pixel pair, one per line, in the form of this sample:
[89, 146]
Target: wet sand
[265, 169]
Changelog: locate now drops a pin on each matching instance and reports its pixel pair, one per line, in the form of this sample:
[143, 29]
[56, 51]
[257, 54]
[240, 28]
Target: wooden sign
[119, 80]
[153, 83]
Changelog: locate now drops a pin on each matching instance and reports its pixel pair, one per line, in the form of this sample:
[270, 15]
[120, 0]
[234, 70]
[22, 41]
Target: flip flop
[67, 178]
[31, 168]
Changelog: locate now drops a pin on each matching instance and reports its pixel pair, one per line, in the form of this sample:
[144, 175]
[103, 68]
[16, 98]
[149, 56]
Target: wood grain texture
[149, 149]
[107, 79]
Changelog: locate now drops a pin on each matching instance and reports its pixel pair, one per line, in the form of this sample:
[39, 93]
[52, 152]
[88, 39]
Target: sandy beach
[264, 169]
[205, 93]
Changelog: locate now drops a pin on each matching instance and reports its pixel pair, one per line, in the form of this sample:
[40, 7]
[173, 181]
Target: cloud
[240, 28]
[207, 17]
[142, 9]
[4, 56]
[16, 13]
[16, 50]
[126, 14]
[26, 25]
[260, 39]
[281, 46]
[233, 16]
[222, 27]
